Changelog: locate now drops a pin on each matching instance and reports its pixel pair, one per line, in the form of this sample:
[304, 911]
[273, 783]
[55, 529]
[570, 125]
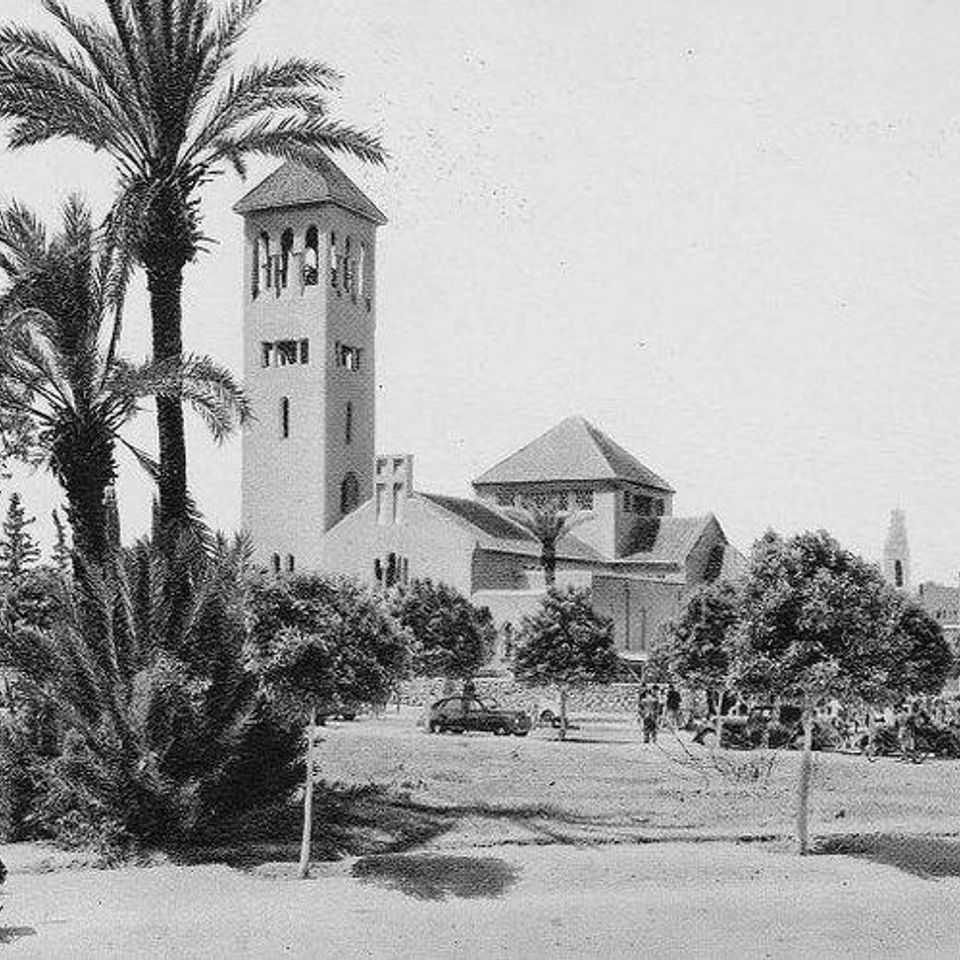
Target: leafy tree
[549, 523]
[567, 644]
[149, 86]
[820, 623]
[61, 547]
[452, 637]
[697, 647]
[18, 549]
[64, 295]
[315, 644]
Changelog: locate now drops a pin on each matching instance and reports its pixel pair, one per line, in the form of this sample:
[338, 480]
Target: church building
[316, 496]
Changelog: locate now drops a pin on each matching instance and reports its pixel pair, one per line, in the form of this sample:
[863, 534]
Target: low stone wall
[614, 698]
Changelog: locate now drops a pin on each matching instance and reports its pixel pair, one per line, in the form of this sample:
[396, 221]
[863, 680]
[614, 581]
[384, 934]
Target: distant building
[896, 552]
[316, 497]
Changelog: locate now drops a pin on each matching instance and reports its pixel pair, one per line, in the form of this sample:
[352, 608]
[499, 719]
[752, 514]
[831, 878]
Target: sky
[727, 233]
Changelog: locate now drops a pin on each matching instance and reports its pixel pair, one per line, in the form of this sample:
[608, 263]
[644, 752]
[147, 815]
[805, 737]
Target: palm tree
[149, 86]
[75, 395]
[549, 523]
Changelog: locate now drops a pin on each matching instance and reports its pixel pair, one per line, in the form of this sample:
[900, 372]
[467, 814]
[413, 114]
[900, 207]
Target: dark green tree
[316, 643]
[452, 638]
[820, 622]
[566, 644]
[149, 85]
[697, 647]
[64, 296]
[18, 550]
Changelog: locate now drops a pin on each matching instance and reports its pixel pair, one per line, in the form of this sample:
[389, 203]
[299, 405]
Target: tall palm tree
[61, 375]
[149, 86]
[549, 522]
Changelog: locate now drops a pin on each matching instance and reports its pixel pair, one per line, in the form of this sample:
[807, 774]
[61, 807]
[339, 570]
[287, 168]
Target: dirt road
[665, 900]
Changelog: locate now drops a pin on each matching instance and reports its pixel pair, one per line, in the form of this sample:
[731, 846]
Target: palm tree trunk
[165, 284]
[304, 870]
[803, 791]
[548, 560]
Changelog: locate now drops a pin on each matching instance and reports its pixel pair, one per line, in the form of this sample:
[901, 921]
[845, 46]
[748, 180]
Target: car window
[473, 706]
[452, 707]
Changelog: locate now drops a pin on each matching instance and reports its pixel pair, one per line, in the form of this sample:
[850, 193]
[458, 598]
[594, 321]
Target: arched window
[290, 564]
[347, 267]
[392, 573]
[276, 562]
[348, 424]
[261, 264]
[361, 270]
[286, 251]
[311, 257]
[333, 258]
[378, 572]
[897, 573]
[284, 417]
[349, 494]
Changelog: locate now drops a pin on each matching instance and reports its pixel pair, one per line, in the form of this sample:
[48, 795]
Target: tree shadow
[926, 857]
[437, 877]
[10, 934]
[348, 821]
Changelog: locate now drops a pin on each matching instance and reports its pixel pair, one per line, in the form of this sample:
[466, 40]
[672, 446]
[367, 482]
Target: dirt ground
[707, 900]
[603, 784]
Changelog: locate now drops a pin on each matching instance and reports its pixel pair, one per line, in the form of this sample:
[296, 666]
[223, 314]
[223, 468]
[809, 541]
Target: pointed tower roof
[296, 185]
[572, 450]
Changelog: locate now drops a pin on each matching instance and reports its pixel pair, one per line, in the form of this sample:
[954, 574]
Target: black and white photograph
[479, 479]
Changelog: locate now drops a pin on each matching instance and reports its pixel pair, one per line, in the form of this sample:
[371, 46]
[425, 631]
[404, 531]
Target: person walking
[673, 708]
[649, 714]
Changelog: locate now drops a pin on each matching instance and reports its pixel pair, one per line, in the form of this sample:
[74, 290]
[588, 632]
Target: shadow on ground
[930, 858]
[431, 877]
[10, 934]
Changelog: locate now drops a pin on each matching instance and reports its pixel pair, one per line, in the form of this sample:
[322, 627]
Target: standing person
[649, 712]
[673, 708]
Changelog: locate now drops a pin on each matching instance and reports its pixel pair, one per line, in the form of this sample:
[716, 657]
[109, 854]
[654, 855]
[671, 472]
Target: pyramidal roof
[572, 450]
[296, 184]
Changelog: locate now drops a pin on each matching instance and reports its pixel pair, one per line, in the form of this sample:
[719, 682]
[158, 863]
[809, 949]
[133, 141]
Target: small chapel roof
[296, 184]
[572, 450]
[666, 539]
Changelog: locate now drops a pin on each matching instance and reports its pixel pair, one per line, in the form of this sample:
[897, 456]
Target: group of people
[657, 706]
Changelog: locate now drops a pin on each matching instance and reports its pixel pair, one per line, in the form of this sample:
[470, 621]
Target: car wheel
[433, 727]
[500, 731]
[548, 717]
[709, 738]
[521, 733]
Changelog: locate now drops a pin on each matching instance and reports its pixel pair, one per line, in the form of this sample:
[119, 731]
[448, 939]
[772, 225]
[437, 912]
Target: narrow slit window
[348, 424]
[290, 563]
[262, 278]
[333, 259]
[349, 494]
[347, 267]
[361, 270]
[284, 418]
[304, 351]
[275, 562]
[311, 258]
[266, 354]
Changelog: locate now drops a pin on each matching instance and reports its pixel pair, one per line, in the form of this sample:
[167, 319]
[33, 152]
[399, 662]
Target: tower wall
[295, 459]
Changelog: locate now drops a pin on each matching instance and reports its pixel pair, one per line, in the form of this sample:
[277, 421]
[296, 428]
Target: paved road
[663, 900]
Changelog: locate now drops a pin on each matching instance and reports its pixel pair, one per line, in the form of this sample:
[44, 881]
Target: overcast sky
[727, 233]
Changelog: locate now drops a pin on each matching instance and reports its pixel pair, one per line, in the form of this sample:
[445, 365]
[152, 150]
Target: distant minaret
[896, 552]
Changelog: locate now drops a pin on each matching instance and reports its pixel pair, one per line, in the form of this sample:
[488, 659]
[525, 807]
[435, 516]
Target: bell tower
[309, 323]
[896, 552]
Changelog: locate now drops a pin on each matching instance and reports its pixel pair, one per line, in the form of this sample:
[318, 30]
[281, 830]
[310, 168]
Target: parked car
[460, 713]
[765, 725]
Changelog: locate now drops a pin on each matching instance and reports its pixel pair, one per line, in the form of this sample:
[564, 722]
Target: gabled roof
[296, 185]
[572, 450]
[494, 530]
[665, 539]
